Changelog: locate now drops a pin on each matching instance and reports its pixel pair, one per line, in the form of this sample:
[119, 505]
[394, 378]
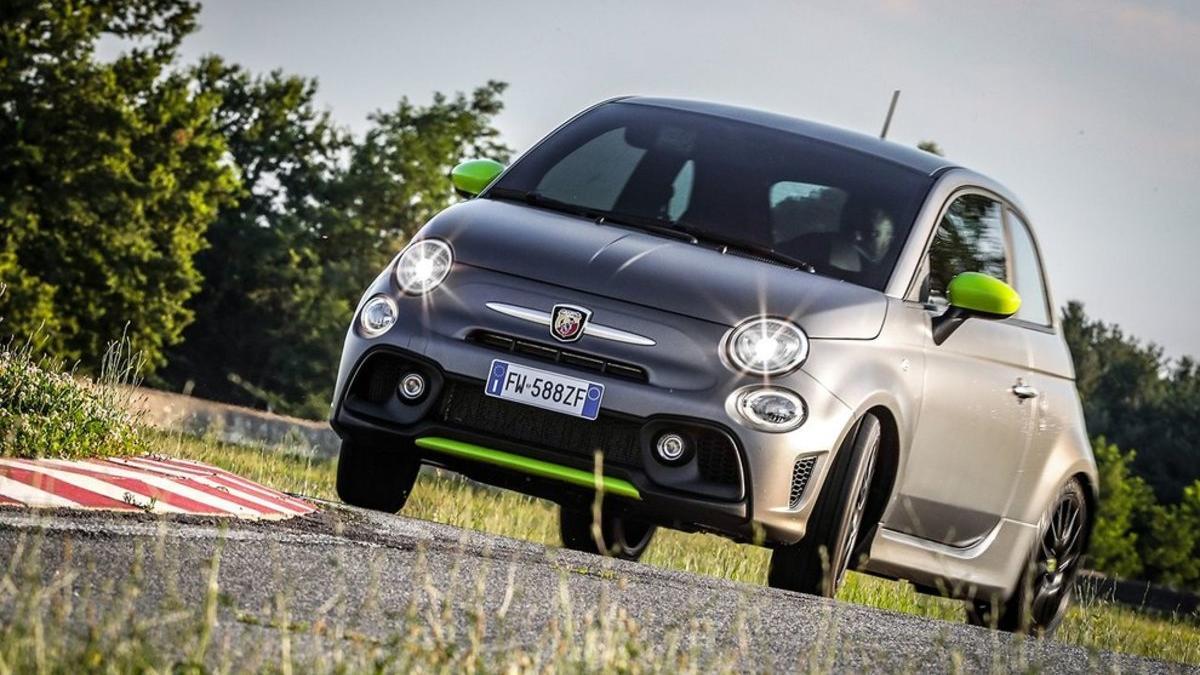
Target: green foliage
[318, 217]
[1171, 548]
[931, 147]
[1123, 498]
[283, 265]
[45, 412]
[1137, 537]
[109, 174]
[397, 178]
[1137, 398]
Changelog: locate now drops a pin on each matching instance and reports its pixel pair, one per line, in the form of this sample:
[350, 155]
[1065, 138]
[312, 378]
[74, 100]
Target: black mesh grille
[558, 355]
[800, 475]
[381, 378]
[716, 457]
[466, 406]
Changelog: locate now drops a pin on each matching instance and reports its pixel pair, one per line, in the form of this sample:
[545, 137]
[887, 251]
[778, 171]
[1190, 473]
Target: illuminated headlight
[772, 409]
[767, 346]
[377, 316]
[423, 266]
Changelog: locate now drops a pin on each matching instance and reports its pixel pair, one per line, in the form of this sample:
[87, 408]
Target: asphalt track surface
[367, 571]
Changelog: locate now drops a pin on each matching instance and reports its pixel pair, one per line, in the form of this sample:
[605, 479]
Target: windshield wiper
[695, 235]
[748, 248]
[534, 198]
[542, 201]
[660, 226]
[656, 225]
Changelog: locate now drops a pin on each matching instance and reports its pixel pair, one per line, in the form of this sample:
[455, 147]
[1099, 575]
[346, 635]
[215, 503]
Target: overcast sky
[1091, 115]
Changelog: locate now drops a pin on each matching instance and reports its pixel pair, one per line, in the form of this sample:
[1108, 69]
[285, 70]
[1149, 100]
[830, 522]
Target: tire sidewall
[815, 564]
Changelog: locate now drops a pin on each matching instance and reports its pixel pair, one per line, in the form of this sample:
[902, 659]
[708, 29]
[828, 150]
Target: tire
[817, 563]
[376, 478]
[624, 538]
[1037, 605]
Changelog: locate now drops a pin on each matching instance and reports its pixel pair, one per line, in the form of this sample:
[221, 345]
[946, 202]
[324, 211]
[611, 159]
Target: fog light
[671, 448]
[377, 316]
[412, 386]
[772, 409]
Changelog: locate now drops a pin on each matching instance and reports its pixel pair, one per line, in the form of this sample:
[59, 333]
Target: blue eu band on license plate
[544, 389]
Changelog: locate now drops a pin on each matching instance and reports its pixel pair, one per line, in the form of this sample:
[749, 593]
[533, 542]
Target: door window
[1027, 274]
[970, 238]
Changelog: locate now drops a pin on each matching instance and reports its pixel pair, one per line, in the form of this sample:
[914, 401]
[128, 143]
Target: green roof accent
[983, 294]
[473, 176]
[529, 465]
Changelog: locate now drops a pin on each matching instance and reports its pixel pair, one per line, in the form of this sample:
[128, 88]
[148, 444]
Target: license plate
[544, 389]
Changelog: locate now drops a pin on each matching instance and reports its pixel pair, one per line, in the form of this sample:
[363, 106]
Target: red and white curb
[148, 484]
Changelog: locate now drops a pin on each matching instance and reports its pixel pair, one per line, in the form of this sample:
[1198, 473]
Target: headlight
[767, 346]
[423, 266]
[772, 409]
[377, 316]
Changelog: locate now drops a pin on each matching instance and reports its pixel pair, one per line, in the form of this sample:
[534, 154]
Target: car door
[973, 431]
[1057, 416]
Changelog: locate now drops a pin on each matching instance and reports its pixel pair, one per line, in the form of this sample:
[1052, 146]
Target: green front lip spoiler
[533, 467]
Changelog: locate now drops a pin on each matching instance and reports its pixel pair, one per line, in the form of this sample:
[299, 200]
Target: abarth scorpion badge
[567, 322]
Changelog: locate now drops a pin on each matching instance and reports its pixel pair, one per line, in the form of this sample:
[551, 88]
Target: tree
[931, 147]
[1123, 498]
[1137, 398]
[398, 175]
[109, 174]
[317, 218]
[98, 164]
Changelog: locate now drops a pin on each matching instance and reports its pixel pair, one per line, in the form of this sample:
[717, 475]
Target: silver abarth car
[731, 321]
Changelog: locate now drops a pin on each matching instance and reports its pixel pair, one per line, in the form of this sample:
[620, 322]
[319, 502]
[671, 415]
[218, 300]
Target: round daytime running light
[772, 409]
[377, 316]
[423, 266]
[767, 346]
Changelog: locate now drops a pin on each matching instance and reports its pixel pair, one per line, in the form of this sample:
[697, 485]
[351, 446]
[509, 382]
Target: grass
[47, 628]
[1092, 622]
[46, 412]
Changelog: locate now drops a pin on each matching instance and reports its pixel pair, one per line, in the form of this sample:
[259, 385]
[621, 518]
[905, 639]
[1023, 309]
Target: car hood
[634, 266]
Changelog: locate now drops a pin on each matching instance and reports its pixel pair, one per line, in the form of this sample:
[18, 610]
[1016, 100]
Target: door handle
[1024, 391]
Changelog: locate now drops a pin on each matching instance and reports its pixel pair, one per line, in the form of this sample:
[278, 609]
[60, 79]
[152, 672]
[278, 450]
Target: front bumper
[749, 495]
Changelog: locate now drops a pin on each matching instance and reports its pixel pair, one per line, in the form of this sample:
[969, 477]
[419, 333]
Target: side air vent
[801, 472]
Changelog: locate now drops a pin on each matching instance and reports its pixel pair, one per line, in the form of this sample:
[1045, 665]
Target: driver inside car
[867, 245]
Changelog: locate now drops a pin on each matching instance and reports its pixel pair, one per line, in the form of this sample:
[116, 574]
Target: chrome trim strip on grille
[595, 330]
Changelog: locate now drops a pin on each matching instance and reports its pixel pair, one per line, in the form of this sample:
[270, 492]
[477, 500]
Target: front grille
[466, 406]
[801, 472]
[554, 354]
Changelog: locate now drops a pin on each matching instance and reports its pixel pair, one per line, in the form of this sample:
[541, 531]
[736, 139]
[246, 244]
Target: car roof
[918, 160]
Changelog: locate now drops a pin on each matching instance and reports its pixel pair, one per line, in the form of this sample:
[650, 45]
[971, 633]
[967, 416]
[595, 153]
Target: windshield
[844, 213]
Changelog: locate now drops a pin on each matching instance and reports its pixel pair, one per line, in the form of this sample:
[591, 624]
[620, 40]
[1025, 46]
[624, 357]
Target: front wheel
[621, 537]
[376, 478]
[817, 563]
[1043, 593]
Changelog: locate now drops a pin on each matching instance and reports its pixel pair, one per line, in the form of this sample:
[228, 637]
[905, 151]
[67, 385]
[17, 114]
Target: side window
[1027, 274]
[970, 238]
[595, 173]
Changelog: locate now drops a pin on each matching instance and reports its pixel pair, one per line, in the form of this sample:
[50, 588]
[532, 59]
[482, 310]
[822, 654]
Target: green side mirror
[983, 295]
[973, 294]
[471, 177]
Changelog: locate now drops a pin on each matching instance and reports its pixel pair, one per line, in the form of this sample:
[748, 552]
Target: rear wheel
[622, 537]
[376, 478]
[817, 563]
[1040, 601]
